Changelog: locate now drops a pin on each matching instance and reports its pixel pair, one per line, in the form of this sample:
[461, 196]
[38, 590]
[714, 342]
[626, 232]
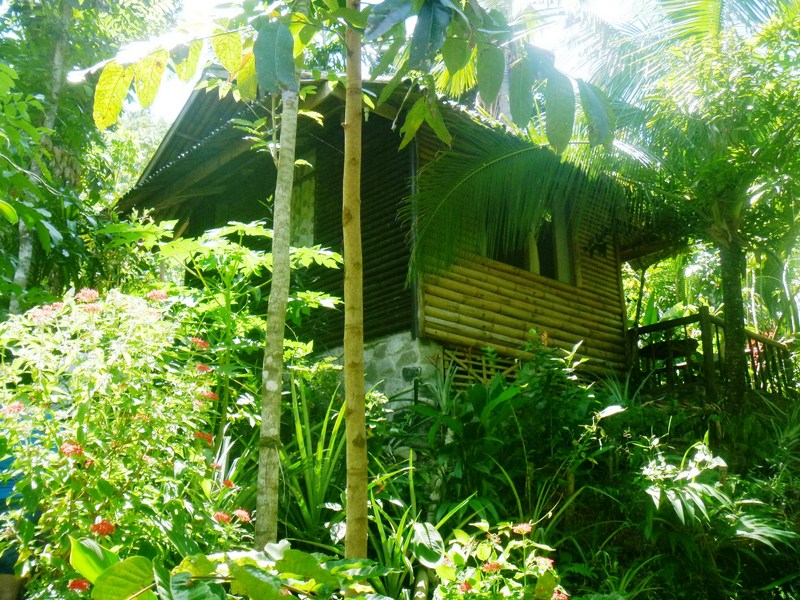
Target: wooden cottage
[562, 285]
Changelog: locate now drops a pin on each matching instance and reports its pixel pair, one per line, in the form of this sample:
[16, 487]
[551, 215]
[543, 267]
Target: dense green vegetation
[131, 403]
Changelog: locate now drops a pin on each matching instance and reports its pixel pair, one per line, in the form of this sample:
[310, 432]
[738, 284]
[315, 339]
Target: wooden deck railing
[690, 350]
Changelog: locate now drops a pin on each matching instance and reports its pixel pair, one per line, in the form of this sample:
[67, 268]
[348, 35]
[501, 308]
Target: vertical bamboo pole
[356, 520]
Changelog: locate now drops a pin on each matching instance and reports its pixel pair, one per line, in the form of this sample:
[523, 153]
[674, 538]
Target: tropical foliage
[130, 410]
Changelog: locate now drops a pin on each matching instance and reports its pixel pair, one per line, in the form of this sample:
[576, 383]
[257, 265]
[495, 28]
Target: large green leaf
[274, 52]
[432, 22]
[414, 118]
[520, 90]
[8, 212]
[297, 564]
[456, 53]
[252, 582]
[181, 586]
[491, 67]
[247, 79]
[599, 115]
[147, 76]
[126, 579]
[228, 50]
[559, 101]
[89, 558]
[386, 15]
[112, 87]
[436, 121]
[427, 544]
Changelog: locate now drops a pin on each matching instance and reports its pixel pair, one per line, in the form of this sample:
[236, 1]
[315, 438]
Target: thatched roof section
[204, 158]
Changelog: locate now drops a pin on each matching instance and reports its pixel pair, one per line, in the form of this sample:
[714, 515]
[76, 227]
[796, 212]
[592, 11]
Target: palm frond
[490, 191]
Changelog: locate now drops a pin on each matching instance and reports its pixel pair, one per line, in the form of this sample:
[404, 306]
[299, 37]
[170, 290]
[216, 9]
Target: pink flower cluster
[87, 296]
[71, 448]
[522, 528]
[13, 409]
[200, 343]
[46, 313]
[202, 435]
[159, 295]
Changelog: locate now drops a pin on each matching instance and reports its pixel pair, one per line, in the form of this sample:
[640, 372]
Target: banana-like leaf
[274, 54]
[228, 50]
[385, 16]
[112, 87]
[456, 53]
[520, 88]
[559, 99]
[432, 22]
[247, 79]
[598, 112]
[147, 74]
[186, 59]
[491, 67]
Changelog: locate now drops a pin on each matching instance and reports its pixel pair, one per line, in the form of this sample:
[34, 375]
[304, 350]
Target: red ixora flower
[522, 528]
[13, 409]
[200, 343]
[79, 585]
[215, 466]
[103, 527]
[227, 483]
[465, 586]
[71, 448]
[157, 295]
[202, 435]
[209, 394]
[201, 368]
[222, 517]
[491, 567]
[242, 515]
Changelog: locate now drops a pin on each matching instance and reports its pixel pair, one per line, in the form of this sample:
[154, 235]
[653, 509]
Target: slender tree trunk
[731, 261]
[272, 374]
[356, 536]
[57, 77]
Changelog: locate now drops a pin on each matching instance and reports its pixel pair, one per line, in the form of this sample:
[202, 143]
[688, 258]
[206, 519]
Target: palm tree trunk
[58, 72]
[272, 373]
[731, 262]
[356, 535]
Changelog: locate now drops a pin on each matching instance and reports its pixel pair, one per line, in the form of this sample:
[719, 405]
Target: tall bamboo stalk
[356, 536]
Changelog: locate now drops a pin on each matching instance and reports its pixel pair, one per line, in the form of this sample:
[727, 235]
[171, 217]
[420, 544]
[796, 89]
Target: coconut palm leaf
[491, 191]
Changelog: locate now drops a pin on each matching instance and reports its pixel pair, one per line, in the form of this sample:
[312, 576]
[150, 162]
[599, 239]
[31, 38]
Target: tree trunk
[272, 374]
[57, 77]
[731, 262]
[356, 535]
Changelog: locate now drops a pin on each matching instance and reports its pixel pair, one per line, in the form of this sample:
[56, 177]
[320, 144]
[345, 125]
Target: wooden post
[707, 341]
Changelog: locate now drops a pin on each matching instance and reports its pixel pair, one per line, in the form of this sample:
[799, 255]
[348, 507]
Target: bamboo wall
[481, 303]
[385, 181]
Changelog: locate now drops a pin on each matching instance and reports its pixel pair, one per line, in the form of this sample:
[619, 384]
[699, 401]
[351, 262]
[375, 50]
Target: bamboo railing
[690, 350]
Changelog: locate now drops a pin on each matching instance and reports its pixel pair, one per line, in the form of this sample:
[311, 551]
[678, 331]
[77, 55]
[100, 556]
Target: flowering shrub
[501, 563]
[99, 405]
